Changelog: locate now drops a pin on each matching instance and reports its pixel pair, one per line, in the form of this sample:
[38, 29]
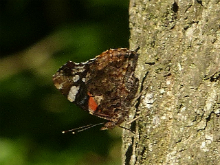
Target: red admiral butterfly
[104, 86]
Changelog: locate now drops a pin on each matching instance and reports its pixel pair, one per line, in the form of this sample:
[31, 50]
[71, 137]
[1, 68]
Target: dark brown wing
[111, 76]
[105, 86]
[70, 80]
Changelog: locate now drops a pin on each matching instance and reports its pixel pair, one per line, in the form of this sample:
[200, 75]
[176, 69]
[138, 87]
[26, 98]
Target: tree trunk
[179, 72]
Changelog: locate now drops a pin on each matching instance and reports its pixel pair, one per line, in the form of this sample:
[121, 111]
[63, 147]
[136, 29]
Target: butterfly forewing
[105, 86]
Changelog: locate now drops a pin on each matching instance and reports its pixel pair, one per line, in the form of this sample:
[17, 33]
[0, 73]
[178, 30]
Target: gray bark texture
[178, 112]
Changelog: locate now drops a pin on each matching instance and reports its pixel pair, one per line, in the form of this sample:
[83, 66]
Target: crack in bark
[129, 152]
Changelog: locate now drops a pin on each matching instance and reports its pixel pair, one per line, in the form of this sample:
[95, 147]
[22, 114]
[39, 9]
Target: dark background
[36, 38]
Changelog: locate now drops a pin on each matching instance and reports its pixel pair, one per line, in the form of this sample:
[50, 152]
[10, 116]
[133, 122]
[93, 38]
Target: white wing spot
[83, 79]
[72, 93]
[76, 78]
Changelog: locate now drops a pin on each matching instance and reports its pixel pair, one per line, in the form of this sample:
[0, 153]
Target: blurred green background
[36, 38]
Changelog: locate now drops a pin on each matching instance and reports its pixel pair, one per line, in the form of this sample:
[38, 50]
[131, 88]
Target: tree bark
[179, 72]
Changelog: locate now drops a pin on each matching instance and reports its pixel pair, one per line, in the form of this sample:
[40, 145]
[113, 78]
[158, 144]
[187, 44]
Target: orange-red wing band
[92, 105]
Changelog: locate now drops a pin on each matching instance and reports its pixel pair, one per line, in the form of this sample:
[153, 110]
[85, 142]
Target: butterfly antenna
[80, 129]
[126, 129]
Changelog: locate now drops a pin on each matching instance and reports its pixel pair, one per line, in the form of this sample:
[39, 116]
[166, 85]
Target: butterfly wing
[105, 86]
